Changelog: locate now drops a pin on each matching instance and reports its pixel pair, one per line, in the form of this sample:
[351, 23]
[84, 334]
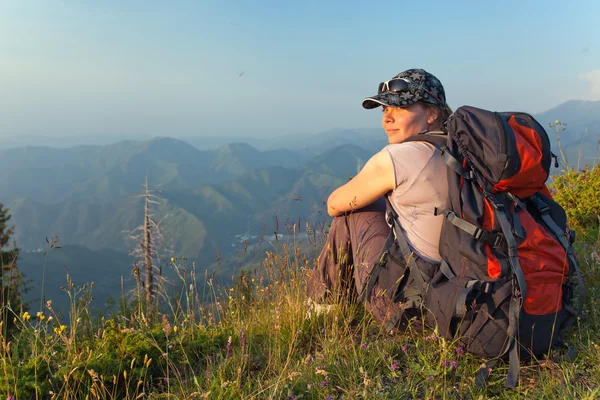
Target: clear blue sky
[175, 68]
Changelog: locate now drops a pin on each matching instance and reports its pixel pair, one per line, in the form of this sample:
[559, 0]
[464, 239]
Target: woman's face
[401, 123]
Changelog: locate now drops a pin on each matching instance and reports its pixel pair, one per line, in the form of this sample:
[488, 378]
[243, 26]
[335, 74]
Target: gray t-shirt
[421, 186]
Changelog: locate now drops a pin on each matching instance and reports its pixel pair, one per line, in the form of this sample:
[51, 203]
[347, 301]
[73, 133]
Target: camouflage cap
[423, 86]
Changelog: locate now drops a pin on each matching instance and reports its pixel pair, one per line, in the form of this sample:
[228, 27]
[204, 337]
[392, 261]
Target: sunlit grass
[255, 340]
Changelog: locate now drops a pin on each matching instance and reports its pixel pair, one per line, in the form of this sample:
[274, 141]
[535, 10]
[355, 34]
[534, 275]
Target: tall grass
[254, 340]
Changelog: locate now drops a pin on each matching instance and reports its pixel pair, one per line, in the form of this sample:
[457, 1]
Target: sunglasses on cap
[397, 85]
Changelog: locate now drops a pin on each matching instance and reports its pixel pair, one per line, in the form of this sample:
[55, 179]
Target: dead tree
[147, 240]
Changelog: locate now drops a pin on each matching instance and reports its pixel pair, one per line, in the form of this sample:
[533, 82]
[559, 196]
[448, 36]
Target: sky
[270, 68]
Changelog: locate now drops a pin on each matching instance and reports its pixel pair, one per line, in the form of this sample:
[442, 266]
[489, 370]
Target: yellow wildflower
[175, 329]
[40, 316]
[26, 316]
[172, 259]
[59, 330]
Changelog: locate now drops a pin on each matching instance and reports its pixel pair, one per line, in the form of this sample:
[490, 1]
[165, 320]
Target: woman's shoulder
[412, 147]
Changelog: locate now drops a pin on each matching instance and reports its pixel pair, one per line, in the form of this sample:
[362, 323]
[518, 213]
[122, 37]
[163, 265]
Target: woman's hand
[373, 181]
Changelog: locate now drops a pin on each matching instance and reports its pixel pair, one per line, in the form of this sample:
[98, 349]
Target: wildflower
[431, 338]
[26, 316]
[172, 259]
[453, 364]
[175, 329]
[323, 383]
[445, 363]
[60, 329]
[363, 346]
[404, 348]
[166, 325]
[430, 378]
[50, 318]
[40, 316]
[557, 122]
[394, 367]
[330, 397]
[242, 339]
[460, 351]
[228, 347]
[308, 386]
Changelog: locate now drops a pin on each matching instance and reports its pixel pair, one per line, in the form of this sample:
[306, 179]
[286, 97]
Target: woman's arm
[373, 181]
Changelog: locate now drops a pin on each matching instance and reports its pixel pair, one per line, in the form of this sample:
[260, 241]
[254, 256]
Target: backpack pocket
[485, 333]
[471, 311]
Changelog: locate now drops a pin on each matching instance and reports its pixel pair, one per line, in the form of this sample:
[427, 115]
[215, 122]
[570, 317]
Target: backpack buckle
[498, 240]
[497, 206]
[390, 218]
[572, 236]
[494, 239]
[540, 205]
[487, 287]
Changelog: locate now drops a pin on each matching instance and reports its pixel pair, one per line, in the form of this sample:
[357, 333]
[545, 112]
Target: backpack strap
[494, 239]
[516, 301]
[408, 254]
[439, 140]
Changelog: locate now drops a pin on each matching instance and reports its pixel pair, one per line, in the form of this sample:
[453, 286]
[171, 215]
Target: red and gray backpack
[509, 283]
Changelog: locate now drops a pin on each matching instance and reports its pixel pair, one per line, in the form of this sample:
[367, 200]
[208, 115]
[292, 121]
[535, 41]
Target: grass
[255, 341]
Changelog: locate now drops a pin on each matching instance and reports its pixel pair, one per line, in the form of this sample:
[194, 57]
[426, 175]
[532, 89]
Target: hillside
[96, 174]
[199, 220]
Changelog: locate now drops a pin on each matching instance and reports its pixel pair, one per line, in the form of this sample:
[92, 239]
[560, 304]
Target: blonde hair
[442, 114]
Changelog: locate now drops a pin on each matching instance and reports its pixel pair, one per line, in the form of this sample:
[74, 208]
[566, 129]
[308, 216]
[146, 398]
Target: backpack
[506, 288]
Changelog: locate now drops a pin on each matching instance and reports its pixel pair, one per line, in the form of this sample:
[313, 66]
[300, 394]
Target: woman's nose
[387, 117]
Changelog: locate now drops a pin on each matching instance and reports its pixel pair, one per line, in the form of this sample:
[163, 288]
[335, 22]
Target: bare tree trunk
[147, 244]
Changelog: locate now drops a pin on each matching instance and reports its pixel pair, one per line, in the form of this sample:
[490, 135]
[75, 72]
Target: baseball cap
[415, 85]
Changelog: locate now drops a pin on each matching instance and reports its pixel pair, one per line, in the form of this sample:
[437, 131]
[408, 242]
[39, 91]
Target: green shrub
[578, 193]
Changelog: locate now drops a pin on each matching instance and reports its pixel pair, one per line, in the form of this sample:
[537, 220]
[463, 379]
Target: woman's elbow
[330, 207]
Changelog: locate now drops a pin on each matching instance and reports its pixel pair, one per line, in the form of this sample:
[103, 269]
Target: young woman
[412, 174]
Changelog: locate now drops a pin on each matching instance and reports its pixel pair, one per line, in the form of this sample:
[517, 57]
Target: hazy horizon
[134, 69]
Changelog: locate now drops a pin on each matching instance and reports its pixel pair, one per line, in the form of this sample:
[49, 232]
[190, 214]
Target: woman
[414, 176]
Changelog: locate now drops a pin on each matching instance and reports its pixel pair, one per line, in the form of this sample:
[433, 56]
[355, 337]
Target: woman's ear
[432, 115]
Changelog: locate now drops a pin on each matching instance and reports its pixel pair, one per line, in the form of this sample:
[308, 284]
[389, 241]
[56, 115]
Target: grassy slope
[255, 341]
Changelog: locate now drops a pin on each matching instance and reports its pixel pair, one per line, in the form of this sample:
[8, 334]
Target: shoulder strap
[436, 138]
[439, 140]
[407, 253]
